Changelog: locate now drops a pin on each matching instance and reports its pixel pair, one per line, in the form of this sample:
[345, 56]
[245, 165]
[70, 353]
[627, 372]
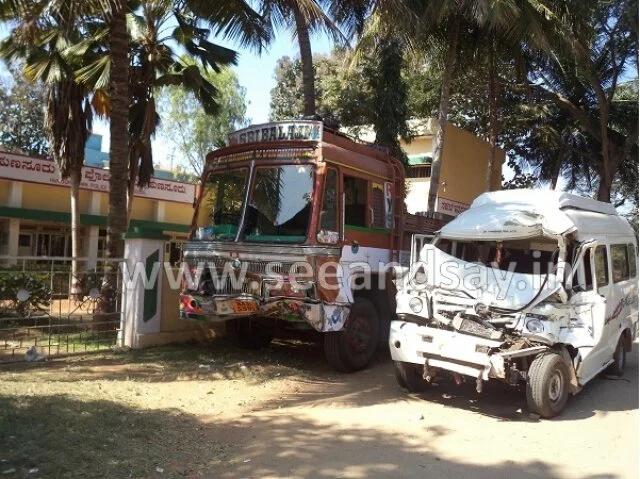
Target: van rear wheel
[352, 348]
[547, 385]
[619, 359]
[410, 377]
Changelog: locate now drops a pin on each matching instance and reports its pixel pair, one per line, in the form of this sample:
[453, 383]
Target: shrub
[35, 284]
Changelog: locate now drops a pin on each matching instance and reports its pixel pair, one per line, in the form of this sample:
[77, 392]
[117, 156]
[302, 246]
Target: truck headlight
[535, 326]
[416, 305]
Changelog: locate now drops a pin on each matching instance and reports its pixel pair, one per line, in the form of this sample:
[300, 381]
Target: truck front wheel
[547, 385]
[409, 377]
[352, 348]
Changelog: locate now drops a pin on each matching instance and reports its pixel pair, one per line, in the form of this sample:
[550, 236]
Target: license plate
[244, 306]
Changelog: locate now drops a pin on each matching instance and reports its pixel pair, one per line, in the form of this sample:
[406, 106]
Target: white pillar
[94, 207]
[159, 211]
[15, 194]
[141, 298]
[90, 246]
[12, 245]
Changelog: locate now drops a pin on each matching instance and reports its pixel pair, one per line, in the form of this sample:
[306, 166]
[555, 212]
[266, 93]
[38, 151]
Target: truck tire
[409, 377]
[352, 348]
[547, 385]
[619, 359]
[252, 334]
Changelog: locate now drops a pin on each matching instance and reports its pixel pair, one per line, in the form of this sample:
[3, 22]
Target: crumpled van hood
[496, 222]
[491, 286]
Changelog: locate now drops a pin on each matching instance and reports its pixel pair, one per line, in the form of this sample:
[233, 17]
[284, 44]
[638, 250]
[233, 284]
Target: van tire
[409, 377]
[352, 348]
[547, 385]
[619, 358]
[252, 334]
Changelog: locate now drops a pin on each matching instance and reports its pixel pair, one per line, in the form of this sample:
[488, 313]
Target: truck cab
[296, 226]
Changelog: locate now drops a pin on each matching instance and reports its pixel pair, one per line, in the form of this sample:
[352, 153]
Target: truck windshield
[279, 207]
[221, 204]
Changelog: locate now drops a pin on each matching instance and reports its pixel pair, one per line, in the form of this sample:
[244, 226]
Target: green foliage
[22, 115]
[371, 91]
[189, 128]
[36, 300]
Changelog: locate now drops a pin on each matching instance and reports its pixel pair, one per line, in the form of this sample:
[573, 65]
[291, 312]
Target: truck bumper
[320, 316]
[449, 350]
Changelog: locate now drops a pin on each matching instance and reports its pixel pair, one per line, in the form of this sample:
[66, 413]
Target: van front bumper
[453, 351]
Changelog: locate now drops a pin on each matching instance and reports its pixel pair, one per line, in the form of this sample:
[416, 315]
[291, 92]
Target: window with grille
[420, 171]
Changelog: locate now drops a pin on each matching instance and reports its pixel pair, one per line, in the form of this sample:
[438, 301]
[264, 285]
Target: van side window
[631, 256]
[355, 201]
[602, 269]
[588, 277]
[619, 263]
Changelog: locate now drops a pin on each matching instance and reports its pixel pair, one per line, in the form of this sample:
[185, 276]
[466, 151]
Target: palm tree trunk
[493, 115]
[306, 58]
[131, 187]
[119, 150]
[75, 233]
[443, 112]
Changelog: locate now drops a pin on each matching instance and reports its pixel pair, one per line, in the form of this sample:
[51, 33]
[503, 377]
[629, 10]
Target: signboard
[450, 207]
[37, 170]
[278, 131]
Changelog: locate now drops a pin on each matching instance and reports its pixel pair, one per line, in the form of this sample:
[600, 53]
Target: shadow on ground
[62, 436]
[303, 361]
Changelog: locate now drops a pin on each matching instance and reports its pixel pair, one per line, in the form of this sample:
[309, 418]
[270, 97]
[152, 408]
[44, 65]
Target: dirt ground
[217, 412]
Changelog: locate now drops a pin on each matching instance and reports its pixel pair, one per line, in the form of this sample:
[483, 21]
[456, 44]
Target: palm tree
[155, 64]
[305, 17]
[45, 39]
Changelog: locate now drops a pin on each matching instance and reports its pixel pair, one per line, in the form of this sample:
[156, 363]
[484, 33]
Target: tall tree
[45, 38]
[305, 17]
[22, 115]
[595, 45]
[193, 132]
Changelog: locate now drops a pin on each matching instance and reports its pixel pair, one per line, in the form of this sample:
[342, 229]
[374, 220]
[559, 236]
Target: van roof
[545, 200]
[511, 214]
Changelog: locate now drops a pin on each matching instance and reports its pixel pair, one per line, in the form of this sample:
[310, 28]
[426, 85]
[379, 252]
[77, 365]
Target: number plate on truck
[244, 306]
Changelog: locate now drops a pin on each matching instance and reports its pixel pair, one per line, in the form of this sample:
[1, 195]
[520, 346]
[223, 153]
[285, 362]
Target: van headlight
[535, 326]
[416, 305]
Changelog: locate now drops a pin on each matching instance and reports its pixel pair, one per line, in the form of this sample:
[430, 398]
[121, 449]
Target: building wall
[464, 166]
[418, 145]
[463, 171]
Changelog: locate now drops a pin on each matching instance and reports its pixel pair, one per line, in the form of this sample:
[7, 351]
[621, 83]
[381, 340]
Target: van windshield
[535, 256]
[279, 207]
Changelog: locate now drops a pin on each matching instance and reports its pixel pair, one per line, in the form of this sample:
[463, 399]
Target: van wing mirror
[578, 256]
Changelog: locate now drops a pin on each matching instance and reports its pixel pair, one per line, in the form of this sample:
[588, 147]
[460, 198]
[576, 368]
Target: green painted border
[365, 229]
[150, 302]
[145, 233]
[85, 219]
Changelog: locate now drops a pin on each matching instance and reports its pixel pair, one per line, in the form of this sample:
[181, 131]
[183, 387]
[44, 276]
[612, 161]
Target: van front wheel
[547, 385]
[409, 377]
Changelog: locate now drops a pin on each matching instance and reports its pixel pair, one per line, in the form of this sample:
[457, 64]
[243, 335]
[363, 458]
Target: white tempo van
[525, 286]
